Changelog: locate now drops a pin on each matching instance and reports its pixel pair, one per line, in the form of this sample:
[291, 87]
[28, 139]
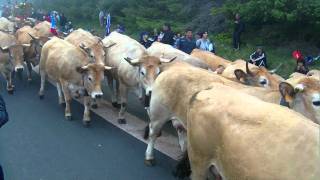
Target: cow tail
[183, 168]
[146, 132]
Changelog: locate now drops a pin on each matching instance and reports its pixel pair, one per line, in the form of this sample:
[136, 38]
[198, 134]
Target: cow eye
[89, 78]
[142, 73]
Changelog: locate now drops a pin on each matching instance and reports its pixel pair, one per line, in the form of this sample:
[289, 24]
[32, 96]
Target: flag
[108, 24]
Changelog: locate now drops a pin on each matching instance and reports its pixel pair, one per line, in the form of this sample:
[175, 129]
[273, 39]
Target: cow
[211, 59]
[43, 29]
[314, 73]
[74, 70]
[28, 35]
[252, 75]
[161, 50]
[135, 69]
[263, 140]
[80, 36]
[7, 26]
[291, 95]
[11, 58]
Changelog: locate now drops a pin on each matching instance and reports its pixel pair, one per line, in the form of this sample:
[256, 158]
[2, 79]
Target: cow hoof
[62, 104]
[69, 117]
[94, 106]
[116, 105]
[86, 123]
[41, 96]
[10, 91]
[149, 162]
[122, 121]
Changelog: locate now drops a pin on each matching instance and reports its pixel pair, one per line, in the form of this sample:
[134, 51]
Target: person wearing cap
[259, 58]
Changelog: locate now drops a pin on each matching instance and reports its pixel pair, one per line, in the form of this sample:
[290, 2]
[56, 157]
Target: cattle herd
[233, 119]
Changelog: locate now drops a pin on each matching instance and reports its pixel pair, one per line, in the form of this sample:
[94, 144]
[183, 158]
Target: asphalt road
[39, 144]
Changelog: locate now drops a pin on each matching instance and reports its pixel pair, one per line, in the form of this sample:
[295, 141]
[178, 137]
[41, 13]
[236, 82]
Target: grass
[275, 54]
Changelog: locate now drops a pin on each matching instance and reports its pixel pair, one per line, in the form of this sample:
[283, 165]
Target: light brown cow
[260, 143]
[6, 25]
[314, 73]
[290, 95]
[11, 58]
[252, 75]
[135, 69]
[43, 29]
[161, 50]
[28, 35]
[73, 69]
[211, 59]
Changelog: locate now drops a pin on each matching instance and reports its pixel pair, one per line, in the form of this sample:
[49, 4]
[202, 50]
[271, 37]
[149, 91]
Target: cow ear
[82, 69]
[240, 74]
[287, 91]
[4, 49]
[220, 70]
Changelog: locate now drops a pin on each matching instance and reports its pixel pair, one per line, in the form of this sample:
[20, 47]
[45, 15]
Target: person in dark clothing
[145, 40]
[259, 58]
[167, 35]
[3, 119]
[238, 29]
[63, 22]
[301, 67]
[187, 44]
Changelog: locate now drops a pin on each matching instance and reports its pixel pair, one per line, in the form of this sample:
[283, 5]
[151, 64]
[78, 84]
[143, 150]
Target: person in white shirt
[204, 43]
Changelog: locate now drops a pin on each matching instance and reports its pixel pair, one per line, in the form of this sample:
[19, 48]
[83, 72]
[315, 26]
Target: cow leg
[67, 98]
[199, 166]
[42, 86]
[10, 87]
[86, 113]
[124, 94]
[29, 71]
[159, 115]
[59, 89]
[113, 92]
[182, 134]
[117, 92]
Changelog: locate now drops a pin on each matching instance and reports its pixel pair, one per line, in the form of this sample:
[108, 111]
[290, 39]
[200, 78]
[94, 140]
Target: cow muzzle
[148, 91]
[316, 100]
[18, 69]
[96, 95]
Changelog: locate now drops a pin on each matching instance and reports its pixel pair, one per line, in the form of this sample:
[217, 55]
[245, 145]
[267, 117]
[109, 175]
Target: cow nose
[19, 69]
[263, 82]
[98, 96]
[316, 103]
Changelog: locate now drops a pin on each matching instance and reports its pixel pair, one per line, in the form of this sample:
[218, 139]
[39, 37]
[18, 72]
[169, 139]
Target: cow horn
[299, 88]
[25, 45]
[247, 68]
[132, 62]
[34, 38]
[108, 67]
[163, 60]
[275, 69]
[107, 47]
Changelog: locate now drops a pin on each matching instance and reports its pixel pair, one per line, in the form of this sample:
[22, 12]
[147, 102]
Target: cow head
[303, 97]
[36, 44]
[257, 76]
[149, 69]
[92, 75]
[15, 55]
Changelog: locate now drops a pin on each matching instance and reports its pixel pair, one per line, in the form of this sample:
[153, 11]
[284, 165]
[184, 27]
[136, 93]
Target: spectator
[187, 44]
[177, 38]
[3, 119]
[63, 22]
[259, 58]
[301, 67]
[155, 35]
[120, 29]
[101, 18]
[145, 41]
[238, 29]
[204, 43]
[53, 21]
[167, 35]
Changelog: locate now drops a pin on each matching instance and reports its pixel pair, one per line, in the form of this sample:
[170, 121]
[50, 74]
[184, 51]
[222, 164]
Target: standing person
[53, 27]
[108, 25]
[63, 22]
[3, 119]
[167, 35]
[259, 58]
[238, 29]
[187, 44]
[204, 43]
[101, 18]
